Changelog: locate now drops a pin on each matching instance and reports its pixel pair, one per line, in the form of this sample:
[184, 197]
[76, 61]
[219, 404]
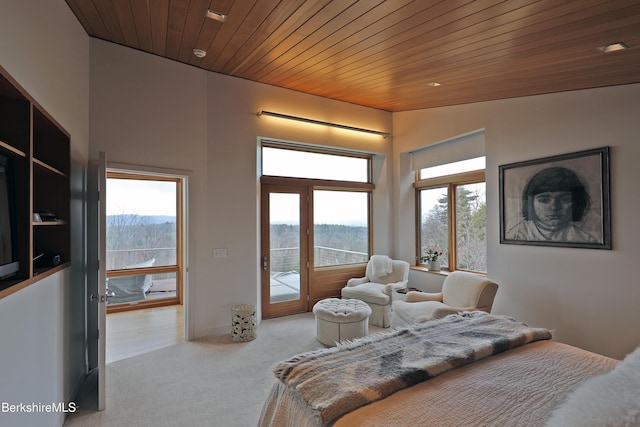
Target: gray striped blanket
[335, 381]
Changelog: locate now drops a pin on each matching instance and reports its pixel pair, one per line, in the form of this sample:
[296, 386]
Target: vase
[433, 265]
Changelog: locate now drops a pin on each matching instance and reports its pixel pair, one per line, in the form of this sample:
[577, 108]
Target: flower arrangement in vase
[432, 258]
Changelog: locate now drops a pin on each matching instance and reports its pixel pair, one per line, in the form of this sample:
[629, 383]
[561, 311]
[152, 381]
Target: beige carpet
[210, 382]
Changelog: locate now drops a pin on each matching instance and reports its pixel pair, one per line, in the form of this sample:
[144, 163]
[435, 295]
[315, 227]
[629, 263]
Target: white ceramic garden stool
[341, 319]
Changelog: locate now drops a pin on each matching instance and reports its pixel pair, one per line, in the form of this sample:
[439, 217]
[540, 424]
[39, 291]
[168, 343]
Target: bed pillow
[610, 400]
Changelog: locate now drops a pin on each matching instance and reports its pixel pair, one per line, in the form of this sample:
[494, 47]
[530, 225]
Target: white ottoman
[341, 319]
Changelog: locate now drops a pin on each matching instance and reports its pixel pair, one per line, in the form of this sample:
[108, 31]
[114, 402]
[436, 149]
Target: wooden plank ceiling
[385, 54]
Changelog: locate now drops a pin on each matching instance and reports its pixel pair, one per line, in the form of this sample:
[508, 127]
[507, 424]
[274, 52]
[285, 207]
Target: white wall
[149, 111]
[588, 297]
[42, 357]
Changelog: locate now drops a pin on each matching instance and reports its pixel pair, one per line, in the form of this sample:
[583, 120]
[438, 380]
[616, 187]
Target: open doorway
[144, 262]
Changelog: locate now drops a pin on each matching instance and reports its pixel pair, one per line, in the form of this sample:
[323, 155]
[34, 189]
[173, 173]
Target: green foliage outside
[471, 213]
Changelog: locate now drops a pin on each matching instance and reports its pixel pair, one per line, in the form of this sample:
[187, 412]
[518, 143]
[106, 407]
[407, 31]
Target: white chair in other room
[383, 276]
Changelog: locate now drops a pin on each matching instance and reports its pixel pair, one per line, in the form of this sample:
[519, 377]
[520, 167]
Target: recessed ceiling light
[433, 84]
[216, 15]
[613, 47]
[199, 53]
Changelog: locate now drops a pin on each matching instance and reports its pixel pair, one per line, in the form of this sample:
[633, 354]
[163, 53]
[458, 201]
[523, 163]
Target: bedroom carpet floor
[209, 382]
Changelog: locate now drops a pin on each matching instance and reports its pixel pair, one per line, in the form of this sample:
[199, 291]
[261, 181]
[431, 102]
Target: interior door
[284, 250]
[96, 278]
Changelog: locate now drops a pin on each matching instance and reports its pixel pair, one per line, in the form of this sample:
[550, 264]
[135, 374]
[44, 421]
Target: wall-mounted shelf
[38, 150]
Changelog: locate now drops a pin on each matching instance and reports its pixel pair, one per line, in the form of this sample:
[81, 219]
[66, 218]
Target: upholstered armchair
[383, 276]
[461, 291]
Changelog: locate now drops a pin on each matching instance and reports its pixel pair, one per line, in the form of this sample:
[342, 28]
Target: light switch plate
[220, 253]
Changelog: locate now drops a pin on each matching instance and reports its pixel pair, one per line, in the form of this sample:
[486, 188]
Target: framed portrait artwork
[562, 200]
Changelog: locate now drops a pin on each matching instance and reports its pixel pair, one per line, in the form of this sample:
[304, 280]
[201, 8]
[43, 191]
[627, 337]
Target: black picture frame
[538, 196]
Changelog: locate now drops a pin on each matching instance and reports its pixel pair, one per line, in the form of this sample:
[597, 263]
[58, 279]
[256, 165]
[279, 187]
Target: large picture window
[340, 192]
[315, 223]
[144, 240]
[452, 215]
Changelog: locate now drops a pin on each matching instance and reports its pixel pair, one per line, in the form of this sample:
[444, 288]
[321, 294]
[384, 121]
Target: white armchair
[383, 276]
[461, 291]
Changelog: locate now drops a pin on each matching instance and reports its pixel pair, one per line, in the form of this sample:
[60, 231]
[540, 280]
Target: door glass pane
[141, 222]
[284, 232]
[341, 227]
[471, 227]
[434, 229]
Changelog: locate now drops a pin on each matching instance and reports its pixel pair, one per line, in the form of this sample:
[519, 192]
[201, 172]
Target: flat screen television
[8, 250]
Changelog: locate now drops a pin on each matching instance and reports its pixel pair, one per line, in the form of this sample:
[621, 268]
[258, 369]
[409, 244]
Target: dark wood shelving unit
[38, 149]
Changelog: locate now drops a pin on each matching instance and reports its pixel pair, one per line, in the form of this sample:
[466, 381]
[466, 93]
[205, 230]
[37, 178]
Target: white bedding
[520, 387]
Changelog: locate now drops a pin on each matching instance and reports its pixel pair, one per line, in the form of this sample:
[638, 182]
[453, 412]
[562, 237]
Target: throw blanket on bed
[337, 380]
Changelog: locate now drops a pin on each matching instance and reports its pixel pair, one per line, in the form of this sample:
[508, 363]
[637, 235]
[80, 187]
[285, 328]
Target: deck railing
[288, 259]
[122, 258]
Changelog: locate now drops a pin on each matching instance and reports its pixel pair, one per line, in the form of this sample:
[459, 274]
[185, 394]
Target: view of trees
[334, 244]
[132, 239]
[471, 210]
[470, 226]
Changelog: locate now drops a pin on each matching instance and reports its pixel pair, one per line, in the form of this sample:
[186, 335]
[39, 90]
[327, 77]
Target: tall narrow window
[434, 222]
[471, 227]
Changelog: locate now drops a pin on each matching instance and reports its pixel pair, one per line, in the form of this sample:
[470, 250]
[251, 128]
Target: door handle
[264, 263]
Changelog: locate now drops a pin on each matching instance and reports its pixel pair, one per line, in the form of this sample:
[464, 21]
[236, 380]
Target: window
[144, 239]
[293, 162]
[340, 236]
[339, 190]
[452, 214]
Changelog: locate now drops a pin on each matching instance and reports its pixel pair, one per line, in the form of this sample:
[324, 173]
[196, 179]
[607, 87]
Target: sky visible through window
[475, 164]
[141, 197]
[330, 207]
[430, 198]
[304, 164]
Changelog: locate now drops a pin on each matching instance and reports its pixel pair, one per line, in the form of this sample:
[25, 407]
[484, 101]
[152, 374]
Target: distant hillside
[329, 235]
[139, 219]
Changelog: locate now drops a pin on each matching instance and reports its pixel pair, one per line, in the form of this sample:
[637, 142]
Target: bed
[508, 374]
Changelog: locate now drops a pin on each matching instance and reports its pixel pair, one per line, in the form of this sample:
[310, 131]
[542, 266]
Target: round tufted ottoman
[341, 319]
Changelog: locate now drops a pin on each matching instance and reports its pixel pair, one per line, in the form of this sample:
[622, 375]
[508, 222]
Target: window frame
[324, 184]
[177, 268]
[451, 182]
